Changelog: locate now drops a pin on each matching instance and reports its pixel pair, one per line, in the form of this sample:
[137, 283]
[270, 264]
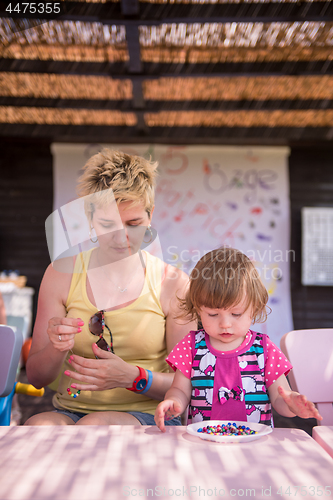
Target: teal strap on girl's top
[149, 382]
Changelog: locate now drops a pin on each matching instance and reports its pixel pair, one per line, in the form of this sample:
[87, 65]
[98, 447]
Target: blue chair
[10, 349]
[11, 340]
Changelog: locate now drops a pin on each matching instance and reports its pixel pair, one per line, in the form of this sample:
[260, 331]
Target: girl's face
[226, 328]
[120, 228]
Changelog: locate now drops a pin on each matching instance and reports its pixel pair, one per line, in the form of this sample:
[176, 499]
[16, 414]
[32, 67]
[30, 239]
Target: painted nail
[79, 329]
[74, 386]
[67, 373]
[81, 323]
[69, 360]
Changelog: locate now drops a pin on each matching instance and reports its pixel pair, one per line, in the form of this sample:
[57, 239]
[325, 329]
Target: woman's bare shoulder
[57, 279]
[174, 277]
[174, 285]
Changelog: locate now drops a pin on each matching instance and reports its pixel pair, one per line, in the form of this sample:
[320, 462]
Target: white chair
[311, 354]
[20, 322]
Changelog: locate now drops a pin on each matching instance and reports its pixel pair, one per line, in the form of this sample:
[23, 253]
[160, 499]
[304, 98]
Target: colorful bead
[227, 430]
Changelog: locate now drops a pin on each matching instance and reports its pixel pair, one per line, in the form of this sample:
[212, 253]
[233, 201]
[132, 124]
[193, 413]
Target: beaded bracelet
[72, 395]
[149, 382]
[70, 392]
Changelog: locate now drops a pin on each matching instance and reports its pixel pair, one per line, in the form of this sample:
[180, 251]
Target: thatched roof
[170, 65]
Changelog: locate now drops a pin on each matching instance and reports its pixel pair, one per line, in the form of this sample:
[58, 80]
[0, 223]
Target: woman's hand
[299, 404]
[166, 410]
[107, 372]
[61, 332]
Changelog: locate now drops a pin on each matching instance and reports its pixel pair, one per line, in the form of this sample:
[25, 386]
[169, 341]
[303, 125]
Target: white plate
[262, 430]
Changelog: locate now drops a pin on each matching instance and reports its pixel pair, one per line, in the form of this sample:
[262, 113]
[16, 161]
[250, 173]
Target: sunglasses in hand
[96, 327]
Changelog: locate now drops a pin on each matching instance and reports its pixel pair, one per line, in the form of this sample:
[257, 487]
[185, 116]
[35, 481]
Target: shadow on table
[306, 424]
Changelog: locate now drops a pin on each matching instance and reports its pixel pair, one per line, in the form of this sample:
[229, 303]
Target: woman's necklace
[121, 290]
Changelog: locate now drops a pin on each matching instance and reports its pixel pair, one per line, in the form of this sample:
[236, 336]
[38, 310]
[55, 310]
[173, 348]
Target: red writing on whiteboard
[217, 181]
[174, 161]
[203, 216]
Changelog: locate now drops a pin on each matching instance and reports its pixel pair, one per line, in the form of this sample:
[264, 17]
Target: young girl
[225, 371]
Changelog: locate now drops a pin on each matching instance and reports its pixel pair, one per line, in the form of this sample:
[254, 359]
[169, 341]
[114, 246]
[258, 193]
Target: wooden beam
[159, 70]
[172, 135]
[133, 46]
[130, 7]
[155, 14]
[138, 99]
[139, 104]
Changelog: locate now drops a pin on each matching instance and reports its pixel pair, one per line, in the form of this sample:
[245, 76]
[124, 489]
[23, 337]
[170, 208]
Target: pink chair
[311, 354]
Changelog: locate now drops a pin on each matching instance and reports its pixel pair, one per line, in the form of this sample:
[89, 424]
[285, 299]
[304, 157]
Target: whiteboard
[317, 246]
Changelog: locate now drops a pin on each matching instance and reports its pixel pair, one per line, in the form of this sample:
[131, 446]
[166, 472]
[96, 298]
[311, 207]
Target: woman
[134, 292]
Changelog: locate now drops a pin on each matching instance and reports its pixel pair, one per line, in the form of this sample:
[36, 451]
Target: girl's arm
[176, 400]
[290, 403]
[47, 352]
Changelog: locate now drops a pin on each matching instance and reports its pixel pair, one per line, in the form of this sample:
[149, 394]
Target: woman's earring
[92, 241]
[151, 235]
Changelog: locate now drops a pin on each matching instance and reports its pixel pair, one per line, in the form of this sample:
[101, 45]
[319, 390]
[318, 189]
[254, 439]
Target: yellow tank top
[138, 332]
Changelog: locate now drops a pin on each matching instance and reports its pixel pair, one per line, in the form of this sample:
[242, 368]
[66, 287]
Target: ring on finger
[59, 338]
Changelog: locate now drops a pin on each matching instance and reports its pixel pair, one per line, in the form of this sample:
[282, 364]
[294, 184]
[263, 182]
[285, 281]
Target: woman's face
[120, 228]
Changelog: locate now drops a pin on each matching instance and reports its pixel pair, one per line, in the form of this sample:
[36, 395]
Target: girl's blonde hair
[130, 177]
[219, 281]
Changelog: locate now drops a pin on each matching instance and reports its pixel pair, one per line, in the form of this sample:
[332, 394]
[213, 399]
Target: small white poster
[317, 246]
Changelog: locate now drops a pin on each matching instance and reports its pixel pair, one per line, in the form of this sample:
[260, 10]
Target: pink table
[110, 463]
[324, 436]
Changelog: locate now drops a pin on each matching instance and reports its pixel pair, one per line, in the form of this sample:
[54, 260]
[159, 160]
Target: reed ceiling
[171, 71]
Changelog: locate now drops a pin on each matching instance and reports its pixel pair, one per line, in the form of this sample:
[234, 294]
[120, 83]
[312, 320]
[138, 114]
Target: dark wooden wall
[26, 199]
[311, 185]
[26, 188]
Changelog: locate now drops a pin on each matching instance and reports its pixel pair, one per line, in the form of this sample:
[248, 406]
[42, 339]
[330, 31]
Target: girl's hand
[107, 372]
[299, 404]
[166, 410]
[61, 332]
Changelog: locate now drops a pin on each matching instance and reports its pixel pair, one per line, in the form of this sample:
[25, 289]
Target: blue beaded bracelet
[149, 382]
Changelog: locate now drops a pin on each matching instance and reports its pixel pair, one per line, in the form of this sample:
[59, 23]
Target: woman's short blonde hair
[130, 177]
[219, 281]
